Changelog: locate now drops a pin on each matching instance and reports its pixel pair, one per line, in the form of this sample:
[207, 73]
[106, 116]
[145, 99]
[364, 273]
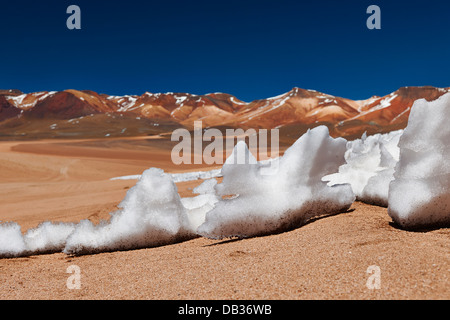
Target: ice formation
[180, 177]
[151, 214]
[198, 206]
[369, 167]
[252, 203]
[11, 240]
[46, 238]
[420, 194]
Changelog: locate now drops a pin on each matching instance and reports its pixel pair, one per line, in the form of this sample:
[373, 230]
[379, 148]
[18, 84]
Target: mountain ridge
[301, 107]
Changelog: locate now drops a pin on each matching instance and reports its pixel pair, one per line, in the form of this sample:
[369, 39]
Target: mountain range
[74, 113]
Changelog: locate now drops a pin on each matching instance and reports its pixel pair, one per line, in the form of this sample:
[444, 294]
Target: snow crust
[47, 237]
[11, 240]
[420, 194]
[369, 167]
[252, 203]
[151, 214]
[181, 177]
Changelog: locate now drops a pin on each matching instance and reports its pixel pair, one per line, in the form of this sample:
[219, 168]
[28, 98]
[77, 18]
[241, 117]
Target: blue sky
[252, 49]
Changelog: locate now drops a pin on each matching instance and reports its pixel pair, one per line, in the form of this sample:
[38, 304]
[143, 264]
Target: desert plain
[330, 257]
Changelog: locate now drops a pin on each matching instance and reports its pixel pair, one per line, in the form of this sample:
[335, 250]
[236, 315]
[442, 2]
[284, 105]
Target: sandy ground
[328, 258]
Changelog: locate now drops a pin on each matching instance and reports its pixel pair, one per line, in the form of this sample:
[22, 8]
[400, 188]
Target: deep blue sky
[249, 48]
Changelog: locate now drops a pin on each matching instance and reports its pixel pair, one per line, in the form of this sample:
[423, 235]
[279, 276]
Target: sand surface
[327, 258]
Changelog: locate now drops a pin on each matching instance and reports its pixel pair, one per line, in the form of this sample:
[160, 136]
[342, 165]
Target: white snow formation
[151, 214]
[252, 203]
[369, 167]
[47, 237]
[420, 194]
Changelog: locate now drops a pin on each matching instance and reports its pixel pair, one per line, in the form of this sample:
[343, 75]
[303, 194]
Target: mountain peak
[298, 107]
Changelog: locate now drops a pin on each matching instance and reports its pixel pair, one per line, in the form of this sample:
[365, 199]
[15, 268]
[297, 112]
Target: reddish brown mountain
[384, 114]
[293, 112]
